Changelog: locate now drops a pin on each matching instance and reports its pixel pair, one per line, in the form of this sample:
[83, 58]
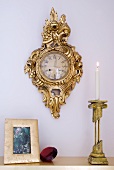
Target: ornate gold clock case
[56, 66]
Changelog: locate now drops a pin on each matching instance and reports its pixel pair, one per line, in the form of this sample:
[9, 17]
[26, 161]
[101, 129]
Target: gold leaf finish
[55, 90]
[97, 157]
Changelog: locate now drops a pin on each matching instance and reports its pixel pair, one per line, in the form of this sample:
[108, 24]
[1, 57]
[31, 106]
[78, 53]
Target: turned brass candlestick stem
[97, 156]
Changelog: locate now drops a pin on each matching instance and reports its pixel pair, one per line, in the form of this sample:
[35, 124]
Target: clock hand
[53, 74]
[57, 73]
[55, 62]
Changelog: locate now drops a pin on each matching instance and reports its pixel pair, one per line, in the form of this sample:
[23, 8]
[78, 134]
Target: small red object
[48, 154]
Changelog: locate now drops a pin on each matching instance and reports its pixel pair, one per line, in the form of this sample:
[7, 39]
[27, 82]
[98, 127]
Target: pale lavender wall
[92, 25]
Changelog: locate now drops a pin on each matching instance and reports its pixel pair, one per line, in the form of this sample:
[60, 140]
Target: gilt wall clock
[56, 67]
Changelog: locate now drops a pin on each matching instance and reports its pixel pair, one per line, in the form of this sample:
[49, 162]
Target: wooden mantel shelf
[59, 163]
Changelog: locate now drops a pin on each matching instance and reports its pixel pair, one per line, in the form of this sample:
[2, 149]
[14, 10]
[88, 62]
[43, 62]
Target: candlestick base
[97, 157]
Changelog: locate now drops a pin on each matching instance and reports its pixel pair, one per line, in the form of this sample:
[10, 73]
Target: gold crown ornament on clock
[56, 67]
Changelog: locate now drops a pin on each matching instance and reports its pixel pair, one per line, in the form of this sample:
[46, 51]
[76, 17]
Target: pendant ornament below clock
[56, 66]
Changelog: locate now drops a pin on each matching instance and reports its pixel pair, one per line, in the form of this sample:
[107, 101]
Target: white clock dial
[54, 66]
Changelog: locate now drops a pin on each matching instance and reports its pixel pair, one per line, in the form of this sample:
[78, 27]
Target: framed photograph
[21, 141]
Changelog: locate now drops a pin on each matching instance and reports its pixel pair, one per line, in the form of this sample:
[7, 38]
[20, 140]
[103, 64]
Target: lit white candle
[97, 82]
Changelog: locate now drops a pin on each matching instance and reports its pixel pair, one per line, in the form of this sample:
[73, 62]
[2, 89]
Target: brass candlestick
[97, 156]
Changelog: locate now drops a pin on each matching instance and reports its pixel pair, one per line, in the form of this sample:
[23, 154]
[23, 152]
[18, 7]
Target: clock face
[54, 65]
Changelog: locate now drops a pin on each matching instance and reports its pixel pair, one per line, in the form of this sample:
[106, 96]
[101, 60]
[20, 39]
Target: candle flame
[97, 64]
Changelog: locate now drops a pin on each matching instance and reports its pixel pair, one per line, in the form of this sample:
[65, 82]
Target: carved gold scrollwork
[55, 35]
